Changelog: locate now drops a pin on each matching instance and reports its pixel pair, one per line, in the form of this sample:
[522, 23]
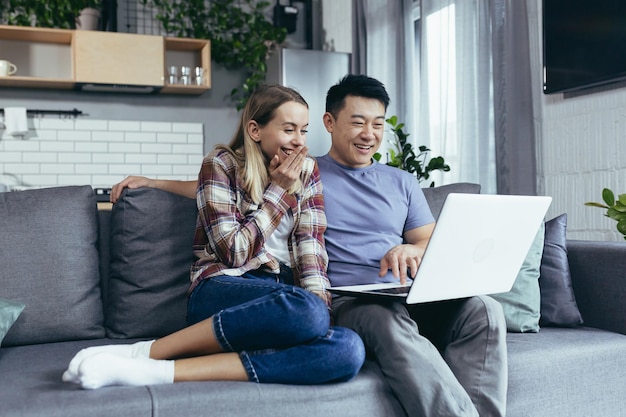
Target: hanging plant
[47, 14]
[241, 36]
[404, 157]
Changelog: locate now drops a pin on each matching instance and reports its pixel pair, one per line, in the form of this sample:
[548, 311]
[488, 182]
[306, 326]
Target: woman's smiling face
[285, 133]
[357, 131]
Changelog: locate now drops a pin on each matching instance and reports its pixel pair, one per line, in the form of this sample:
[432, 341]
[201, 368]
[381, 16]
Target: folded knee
[306, 312]
[350, 354]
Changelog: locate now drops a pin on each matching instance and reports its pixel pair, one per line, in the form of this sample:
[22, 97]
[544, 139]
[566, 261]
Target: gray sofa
[89, 277]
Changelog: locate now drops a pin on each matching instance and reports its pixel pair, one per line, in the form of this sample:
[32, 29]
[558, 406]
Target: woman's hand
[129, 182]
[287, 172]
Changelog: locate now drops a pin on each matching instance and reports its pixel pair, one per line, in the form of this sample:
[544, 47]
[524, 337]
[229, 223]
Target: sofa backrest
[49, 262]
[437, 195]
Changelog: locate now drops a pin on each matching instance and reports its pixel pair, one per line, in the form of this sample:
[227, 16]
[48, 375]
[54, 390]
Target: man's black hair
[357, 86]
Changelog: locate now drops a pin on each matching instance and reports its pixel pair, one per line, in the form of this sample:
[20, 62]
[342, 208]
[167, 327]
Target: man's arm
[184, 188]
[405, 257]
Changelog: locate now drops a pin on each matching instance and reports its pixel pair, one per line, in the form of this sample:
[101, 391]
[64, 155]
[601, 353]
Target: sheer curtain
[383, 48]
[456, 90]
[459, 76]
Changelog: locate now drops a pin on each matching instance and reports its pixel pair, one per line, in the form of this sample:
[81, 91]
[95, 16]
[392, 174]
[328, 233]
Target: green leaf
[621, 227]
[608, 197]
[613, 214]
[403, 156]
[620, 207]
[592, 204]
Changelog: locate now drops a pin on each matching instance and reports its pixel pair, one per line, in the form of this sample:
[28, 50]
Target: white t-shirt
[277, 244]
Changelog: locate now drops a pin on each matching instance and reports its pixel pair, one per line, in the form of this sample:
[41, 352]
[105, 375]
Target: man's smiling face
[357, 131]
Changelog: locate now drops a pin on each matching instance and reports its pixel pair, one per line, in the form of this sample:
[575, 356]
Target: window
[455, 89]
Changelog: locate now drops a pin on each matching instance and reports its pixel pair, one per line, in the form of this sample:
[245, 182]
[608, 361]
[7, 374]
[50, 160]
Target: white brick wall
[581, 148]
[99, 153]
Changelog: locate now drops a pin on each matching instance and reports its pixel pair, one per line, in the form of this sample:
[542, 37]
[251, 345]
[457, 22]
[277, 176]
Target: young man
[440, 359]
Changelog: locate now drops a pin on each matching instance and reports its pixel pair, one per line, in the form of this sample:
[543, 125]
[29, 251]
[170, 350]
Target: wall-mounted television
[584, 44]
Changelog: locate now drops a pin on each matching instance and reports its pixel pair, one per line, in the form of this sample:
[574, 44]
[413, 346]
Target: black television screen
[584, 43]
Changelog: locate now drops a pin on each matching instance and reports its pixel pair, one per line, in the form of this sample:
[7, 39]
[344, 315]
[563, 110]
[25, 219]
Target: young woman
[258, 305]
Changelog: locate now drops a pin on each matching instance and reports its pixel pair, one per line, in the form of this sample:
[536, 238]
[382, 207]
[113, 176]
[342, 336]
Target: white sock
[135, 350]
[105, 369]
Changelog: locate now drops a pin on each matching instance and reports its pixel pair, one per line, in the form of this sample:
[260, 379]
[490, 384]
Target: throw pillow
[522, 304]
[49, 261]
[151, 253]
[9, 312]
[558, 304]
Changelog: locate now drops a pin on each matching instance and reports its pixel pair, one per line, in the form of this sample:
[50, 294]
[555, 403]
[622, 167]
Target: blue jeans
[281, 331]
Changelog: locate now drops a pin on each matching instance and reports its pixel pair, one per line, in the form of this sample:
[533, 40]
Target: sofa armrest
[598, 271]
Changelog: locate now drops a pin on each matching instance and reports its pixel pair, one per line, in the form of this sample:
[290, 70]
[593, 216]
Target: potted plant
[89, 16]
[615, 208]
[403, 156]
[241, 36]
[61, 14]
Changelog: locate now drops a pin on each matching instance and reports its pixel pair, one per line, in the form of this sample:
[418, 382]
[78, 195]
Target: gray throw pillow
[558, 303]
[9, 312]
[151, 255]
[49, 261]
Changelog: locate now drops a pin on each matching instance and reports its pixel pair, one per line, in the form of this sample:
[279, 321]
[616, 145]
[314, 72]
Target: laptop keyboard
[393, 290]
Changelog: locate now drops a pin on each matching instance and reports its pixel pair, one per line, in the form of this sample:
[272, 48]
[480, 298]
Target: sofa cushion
[521, 305]
[31, 386]
[566, 372]
[436, 196]
[151, 254]
[558, 303]
[49, 262]
[9, 312]
[367, 394]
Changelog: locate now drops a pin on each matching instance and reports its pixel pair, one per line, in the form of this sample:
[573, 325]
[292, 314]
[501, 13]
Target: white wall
[581, 147]
[99, 153]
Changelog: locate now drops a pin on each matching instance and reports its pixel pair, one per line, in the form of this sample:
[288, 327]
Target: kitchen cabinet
[105, 61]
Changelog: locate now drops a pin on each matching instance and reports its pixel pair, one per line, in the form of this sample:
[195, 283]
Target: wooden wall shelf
[68, 59]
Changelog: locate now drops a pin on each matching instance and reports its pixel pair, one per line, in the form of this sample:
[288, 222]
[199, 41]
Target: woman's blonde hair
[261, 107]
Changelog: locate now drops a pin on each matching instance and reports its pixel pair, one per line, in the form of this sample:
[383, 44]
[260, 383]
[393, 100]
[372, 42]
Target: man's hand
[129, 182]
[286, 173]
[401, 259]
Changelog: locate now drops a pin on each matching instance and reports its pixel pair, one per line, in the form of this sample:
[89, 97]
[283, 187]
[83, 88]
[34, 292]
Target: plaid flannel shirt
[232, 229]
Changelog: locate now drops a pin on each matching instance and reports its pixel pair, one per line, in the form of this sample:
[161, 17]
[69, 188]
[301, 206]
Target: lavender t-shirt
[367, 211]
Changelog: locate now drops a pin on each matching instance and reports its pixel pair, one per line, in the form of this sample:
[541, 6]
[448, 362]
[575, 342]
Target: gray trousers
[440, 359]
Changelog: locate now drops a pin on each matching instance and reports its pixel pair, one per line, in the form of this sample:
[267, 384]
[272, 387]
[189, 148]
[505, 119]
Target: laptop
[478, 246]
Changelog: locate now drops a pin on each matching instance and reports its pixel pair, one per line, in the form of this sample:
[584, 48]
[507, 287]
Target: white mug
[7, 68]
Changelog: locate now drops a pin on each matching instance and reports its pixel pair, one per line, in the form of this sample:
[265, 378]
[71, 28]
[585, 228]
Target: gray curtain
[514, 127]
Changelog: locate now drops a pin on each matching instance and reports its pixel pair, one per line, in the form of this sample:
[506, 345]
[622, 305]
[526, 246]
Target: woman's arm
[184, 188]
